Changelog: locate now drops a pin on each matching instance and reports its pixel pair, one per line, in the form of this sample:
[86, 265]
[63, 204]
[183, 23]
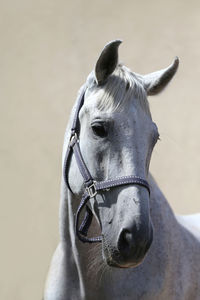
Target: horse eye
[99, 129]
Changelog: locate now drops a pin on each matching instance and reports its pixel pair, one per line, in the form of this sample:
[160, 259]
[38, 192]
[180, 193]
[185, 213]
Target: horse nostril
[126, 241]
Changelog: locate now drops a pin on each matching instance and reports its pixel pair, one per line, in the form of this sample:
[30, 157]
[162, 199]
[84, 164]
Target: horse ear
[155, 82]
[107, 61]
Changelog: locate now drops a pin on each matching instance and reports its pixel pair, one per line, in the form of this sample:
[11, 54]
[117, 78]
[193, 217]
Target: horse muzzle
[130, 249]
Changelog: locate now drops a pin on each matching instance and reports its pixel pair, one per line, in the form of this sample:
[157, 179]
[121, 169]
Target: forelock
[123, 85]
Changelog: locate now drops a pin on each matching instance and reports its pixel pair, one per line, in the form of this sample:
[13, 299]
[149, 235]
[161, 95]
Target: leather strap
[96, 187]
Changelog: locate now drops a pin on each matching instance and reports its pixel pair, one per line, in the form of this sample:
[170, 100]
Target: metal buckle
[91, 190]
[73, 139]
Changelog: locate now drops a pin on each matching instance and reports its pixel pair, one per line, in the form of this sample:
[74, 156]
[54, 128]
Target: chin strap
[92, 187]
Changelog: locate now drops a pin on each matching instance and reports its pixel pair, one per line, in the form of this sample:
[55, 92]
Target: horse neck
[160, 210]
[86, 259]
[68, 239]
[167, 231]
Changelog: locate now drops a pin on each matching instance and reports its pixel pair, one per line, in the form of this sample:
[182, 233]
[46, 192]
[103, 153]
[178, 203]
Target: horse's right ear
[155, 82]
[107, 61]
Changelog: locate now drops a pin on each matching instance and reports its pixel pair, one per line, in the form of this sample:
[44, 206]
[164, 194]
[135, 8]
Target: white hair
[122, 85]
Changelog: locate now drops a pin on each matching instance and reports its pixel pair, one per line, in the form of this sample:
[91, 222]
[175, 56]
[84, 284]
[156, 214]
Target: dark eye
[99, 129]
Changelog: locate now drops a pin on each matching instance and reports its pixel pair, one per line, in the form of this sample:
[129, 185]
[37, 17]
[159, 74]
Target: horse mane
[123, 85]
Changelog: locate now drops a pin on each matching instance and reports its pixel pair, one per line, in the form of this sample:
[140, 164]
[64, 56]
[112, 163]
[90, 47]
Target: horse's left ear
[155, 82]
[107, 61]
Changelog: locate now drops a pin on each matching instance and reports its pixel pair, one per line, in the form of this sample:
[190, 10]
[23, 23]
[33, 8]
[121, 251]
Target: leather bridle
[92, 187]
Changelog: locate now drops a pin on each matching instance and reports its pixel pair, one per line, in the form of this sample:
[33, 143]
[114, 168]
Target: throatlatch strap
[83, 235]
[86, 221]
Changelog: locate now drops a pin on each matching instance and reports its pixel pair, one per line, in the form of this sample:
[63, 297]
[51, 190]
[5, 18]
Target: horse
[135, 247]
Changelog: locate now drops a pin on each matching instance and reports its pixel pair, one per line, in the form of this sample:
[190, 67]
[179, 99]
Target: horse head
[117, 136]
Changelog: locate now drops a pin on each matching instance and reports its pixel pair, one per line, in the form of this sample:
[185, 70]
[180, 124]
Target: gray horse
[146, 251]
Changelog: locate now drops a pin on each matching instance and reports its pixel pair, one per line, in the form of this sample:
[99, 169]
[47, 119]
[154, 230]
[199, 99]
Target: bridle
[92, 187]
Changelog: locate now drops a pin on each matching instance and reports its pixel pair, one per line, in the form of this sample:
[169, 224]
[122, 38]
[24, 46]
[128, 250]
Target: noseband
[92, 187]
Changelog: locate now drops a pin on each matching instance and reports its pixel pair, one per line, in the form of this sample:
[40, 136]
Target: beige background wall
[47, 48]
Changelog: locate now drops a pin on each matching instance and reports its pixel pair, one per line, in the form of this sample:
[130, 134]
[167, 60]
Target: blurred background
[47, 49]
